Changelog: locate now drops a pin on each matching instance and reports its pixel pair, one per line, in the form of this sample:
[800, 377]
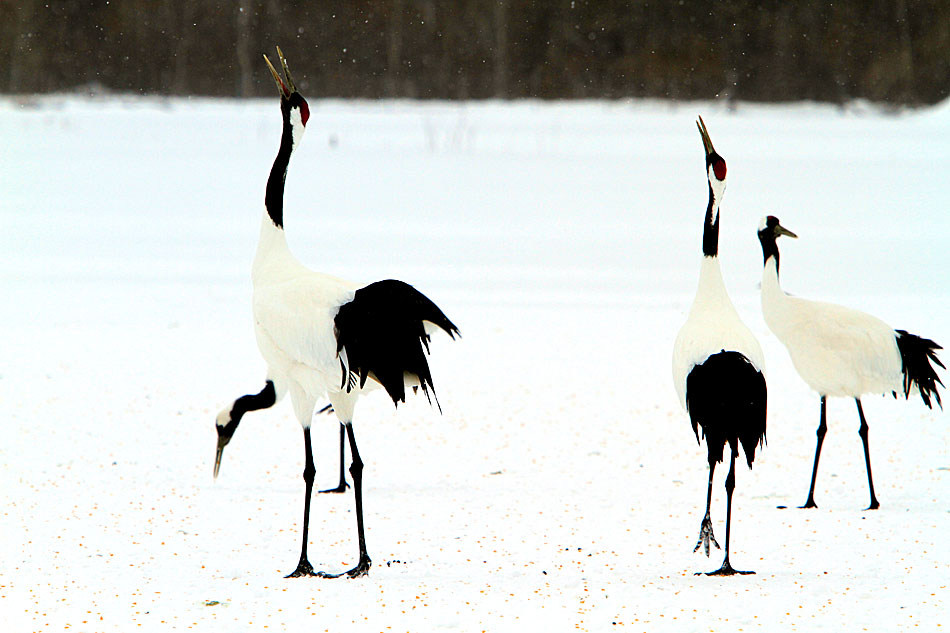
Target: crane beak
[286, 89]
[222, 442]
[781, 230]
[707, 142]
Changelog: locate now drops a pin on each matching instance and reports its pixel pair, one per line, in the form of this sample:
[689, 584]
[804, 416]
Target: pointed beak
[222, 442]
[781, 230]
[288, 88]
[707, 142]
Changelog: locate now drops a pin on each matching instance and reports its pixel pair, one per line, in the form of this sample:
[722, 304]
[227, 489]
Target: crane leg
[342, 486]
[303, 567]
[863, 432]
[706, 528]
[726, 569]
[356, 471]
[822, 429]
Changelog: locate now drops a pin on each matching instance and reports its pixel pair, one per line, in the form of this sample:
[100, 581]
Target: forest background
[892, 52]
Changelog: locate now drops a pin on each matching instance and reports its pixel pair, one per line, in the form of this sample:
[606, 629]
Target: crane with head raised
[718, 364]
[323, 337]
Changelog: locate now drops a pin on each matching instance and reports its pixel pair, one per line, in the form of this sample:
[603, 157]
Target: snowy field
[562, 488]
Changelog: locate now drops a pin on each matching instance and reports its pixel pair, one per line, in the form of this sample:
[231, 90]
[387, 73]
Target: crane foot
[725, 570]
[303, 569]
[361, 569]
[706, 535]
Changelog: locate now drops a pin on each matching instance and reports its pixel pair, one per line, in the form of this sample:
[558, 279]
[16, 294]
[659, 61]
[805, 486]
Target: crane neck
[711, 290]
[273, 253]
[274, 194]
[769, 249]
[711, 226]
[774, 299]
[272, 243]
[770, 274]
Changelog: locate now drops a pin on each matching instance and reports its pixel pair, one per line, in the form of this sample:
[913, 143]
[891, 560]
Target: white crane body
[841, 352]
[713, 326]
[836, 350]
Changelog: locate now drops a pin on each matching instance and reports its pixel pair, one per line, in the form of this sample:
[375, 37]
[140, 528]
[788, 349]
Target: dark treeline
[890, 51]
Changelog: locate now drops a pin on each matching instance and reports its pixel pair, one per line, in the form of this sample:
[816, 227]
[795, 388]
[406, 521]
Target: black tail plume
[382, 332]
[917, 356]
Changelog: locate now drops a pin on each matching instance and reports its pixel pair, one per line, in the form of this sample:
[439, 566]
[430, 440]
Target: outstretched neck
[273, 253]
[711, 289]
[274, 195]
[711, 226]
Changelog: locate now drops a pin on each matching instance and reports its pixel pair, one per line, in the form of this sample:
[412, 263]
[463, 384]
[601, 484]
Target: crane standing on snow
[325, 336]
[842, 352]
[718, 364]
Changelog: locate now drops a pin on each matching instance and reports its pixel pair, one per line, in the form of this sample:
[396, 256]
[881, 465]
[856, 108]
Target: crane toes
[338, 490]
[304, 568]
[361, 569]
[706, 535]
[725, 570]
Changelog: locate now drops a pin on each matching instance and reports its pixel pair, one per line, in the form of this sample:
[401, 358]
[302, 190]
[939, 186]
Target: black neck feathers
[711, 228]
[769, 246]
[274, 195]
[263, 400]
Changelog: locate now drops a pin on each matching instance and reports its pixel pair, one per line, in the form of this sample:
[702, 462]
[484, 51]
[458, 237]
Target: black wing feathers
[726, 396]
[383, 335]
[917, 354]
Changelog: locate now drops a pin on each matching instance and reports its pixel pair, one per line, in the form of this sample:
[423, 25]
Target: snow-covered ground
[562, 487]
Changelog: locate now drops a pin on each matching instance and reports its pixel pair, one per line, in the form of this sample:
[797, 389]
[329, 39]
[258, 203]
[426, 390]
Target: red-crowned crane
[718, 364]
[325, 337]
[843, 352]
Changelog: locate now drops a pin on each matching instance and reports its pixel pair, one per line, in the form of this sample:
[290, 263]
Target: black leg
[706, 528]
[303, 567]
[822, 429]
[356, 471]
[863, 432]
[342, 485]
[726, 569]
